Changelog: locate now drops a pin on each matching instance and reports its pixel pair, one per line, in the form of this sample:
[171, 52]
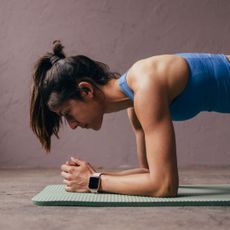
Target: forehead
[66, 105]
[60, 108]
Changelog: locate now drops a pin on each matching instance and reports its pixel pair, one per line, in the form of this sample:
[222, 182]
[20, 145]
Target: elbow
[163, 193]
[165, 190]
[167, 193]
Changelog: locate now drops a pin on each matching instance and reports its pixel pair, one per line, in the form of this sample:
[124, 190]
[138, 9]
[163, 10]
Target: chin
[97, 126]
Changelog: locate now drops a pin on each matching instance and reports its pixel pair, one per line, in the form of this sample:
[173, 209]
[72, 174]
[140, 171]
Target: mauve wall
[119, 33]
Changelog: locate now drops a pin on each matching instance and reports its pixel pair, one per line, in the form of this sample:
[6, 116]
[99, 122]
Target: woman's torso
[185, 76]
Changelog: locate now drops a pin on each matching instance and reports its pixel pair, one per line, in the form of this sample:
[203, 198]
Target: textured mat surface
[188, 195]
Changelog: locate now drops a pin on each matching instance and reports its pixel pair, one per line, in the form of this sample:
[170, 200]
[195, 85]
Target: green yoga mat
[188, 195]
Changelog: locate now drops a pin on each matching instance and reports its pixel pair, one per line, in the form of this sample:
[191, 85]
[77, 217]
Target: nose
[72, 124]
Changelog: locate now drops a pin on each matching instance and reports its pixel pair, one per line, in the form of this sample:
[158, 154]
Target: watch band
[97, 174]
[91, 185]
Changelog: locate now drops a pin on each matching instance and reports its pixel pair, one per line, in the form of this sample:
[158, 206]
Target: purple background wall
[117, 33]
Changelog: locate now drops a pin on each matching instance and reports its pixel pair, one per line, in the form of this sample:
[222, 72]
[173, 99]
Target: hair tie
[54, 59]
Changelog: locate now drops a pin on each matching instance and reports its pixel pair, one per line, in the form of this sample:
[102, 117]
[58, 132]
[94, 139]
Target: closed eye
[69, 118]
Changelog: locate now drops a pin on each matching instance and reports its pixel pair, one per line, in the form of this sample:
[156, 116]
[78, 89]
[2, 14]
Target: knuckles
[71, 170]
[62, 167]
[69, 183]
[68, 177]
[68, 189]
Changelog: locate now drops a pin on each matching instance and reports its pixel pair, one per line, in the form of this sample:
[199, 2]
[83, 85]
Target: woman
[155, 91]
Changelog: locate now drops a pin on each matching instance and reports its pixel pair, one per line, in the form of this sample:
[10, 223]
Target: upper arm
[152, 110]
[140, 137]
[136, 125]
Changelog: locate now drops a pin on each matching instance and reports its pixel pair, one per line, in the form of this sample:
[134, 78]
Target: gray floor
[18, 186]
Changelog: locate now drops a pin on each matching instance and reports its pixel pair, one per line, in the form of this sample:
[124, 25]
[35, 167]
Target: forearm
[127, 172]
[134, 184]
[141, 149]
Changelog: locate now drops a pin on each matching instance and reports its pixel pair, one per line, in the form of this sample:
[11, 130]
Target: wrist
[102, 177]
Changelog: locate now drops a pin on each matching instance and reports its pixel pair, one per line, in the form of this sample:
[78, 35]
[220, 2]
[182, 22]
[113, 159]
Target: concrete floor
[18, 186]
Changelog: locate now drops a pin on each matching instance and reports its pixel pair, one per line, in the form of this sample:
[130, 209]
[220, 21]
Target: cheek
[91, 114]
[84, 115]
[78, 113]
[96, 116]
[99, 117]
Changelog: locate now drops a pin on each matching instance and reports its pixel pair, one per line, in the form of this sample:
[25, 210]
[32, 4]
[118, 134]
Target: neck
[114, 99]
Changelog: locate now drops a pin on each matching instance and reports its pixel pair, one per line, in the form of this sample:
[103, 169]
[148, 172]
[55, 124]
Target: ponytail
[44, 122]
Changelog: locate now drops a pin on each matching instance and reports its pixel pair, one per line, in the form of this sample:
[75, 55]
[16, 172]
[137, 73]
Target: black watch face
[93, 182]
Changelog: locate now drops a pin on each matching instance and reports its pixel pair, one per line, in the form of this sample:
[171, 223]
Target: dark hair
[55, 79]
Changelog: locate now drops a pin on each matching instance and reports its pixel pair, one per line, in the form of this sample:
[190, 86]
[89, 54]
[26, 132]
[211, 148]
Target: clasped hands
[76, 175]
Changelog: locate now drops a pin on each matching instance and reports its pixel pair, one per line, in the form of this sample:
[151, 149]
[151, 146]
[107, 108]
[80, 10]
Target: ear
[86, 88]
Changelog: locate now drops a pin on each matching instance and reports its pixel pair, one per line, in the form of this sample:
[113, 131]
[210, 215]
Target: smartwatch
[94, 182]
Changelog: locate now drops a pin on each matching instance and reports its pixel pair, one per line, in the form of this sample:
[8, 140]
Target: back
[207, 88]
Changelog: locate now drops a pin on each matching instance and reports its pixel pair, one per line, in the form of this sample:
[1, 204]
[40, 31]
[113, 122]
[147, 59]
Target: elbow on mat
[167, 190]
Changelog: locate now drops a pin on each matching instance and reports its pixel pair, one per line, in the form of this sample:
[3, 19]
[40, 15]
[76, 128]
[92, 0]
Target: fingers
[68, 189]
[67, 182]
[91, 168]
[83, 163]
[70, 163]
[66, 168]
[75, 173]
[71, 189]
[66, 175]
[76, 161]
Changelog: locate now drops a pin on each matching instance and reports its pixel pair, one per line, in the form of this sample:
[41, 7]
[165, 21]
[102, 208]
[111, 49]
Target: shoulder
[149, 79]
[161, 71]
[143, 74]
[148, 69]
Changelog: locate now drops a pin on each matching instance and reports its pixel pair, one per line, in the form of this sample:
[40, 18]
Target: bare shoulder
[169, 71]
[228, 57]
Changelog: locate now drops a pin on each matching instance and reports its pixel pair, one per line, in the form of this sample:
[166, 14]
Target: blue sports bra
[208, 87]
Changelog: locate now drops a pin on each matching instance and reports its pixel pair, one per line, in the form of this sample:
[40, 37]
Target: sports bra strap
[124, 86]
